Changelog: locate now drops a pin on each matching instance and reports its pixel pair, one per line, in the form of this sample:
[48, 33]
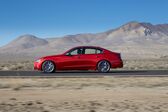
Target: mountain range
[133, 40]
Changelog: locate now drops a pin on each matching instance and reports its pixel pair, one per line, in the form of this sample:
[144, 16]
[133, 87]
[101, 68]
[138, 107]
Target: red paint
[82, 61]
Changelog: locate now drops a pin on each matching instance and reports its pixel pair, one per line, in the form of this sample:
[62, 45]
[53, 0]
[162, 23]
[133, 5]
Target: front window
[75, 51]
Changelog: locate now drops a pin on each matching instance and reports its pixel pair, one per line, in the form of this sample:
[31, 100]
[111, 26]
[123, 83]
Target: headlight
[38, 60]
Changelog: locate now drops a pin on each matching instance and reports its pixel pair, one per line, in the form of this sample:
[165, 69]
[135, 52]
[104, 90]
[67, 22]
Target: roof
[88, 46]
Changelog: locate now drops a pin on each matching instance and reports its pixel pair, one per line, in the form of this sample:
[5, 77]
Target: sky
[56, 18]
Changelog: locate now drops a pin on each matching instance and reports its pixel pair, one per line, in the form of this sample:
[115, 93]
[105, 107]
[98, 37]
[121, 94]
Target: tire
[103, 66]
[48, 67]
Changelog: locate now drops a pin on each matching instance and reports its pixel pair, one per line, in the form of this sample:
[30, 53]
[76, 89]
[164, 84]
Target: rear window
[98, 51]
[92, 51]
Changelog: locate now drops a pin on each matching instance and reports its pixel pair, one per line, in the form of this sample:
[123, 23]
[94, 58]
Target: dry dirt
[109, 94]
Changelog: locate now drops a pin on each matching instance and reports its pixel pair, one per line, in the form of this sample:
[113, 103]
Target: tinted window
[92, 51]
[98, 51]
[76, 51]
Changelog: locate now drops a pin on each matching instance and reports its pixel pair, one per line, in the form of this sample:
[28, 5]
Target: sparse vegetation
[22, 65]
[118, 94]
[78, 83]
[143, 64]
[146, 64]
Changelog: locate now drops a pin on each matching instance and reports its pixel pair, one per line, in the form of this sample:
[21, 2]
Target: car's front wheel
[48, 67]
[103, 66]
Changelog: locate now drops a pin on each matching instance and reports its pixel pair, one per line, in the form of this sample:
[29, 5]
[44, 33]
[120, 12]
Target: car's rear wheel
[48, 67]
[103, 66]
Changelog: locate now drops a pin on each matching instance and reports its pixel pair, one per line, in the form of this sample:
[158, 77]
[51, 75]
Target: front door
[72, 60]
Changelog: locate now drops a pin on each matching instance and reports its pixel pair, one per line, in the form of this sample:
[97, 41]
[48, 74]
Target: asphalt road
[81, 74]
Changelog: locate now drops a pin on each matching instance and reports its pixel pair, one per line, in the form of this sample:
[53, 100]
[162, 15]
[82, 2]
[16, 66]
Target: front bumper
[37, 66]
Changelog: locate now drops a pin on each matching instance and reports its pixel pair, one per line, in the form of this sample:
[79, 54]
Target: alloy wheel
[103, 66]
[48, 67]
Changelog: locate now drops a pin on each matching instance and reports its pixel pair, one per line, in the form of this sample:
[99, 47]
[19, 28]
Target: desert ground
[129, 64]
[108, 94]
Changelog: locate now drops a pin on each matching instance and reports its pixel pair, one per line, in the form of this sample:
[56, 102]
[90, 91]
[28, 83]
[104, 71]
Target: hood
[52, 56]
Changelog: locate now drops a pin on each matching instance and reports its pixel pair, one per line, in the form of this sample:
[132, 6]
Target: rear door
[90, 57]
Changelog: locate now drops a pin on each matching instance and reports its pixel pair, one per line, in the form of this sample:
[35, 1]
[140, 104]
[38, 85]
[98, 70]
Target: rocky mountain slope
[133, 40]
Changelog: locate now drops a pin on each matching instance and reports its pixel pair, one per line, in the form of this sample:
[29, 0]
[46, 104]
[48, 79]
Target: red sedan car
[80, 58]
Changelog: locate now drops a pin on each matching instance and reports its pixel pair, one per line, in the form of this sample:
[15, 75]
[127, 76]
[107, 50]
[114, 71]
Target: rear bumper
[117, 64]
